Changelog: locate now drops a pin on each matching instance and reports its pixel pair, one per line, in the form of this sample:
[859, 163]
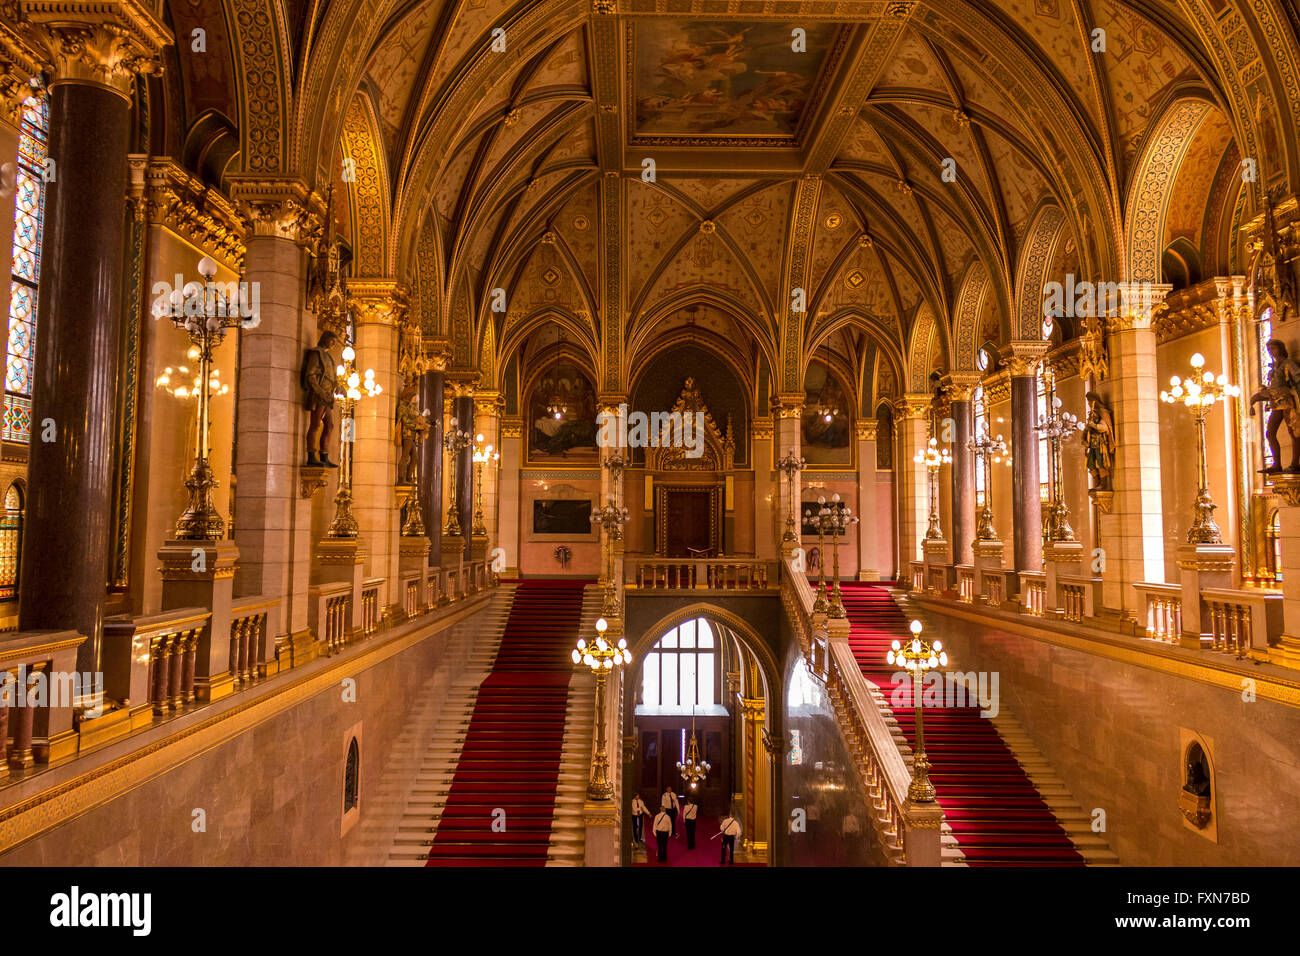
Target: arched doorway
[702, 669]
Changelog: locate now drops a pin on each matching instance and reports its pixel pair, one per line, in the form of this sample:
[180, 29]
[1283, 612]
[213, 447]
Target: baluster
[160, 654]
[233, 661]
[176, 677]
[7, 680]
[187, 672]
[21, 756]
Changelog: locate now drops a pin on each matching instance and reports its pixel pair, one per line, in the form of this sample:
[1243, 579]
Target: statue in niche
[412, 426]
[1099, 439]
[1194, 800]
[1281, 392]
[319, 382]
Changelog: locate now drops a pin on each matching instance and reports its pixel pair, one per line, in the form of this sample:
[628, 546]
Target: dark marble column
[66, 533]
[963, 482]
[1028, 507]
[431, 456]
[464, 409]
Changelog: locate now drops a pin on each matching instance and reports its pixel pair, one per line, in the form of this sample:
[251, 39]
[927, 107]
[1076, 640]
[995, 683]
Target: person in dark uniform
[689, 814]
[663, 827]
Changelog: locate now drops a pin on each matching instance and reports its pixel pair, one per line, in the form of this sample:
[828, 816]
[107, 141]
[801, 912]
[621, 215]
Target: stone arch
[966, 316]
[368, 192]
[1045, 232]
[581, 342]
[264, 84]
[1147, 206]
[927, 333]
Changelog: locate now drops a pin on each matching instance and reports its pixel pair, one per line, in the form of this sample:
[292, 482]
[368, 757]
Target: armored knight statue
[318, 384]
[1281, 392]
[412, 426]
[1099, 440]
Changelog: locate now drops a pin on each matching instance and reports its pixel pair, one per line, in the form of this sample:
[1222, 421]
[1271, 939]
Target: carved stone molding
[1139, 302]
[184, 204]
[101, 42]
[19, 62]
[311, 480]
[279, 207]
[1287, 487]
[378, 301]
[865, 429]
[789, 405]
[913, 405]
[1022, 357]
[960, 386]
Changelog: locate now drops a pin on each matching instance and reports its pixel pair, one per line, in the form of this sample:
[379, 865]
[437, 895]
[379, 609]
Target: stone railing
[1033, 592]
[1242, 620]
[152, 659]
[909, 835]
[1072, 597]
[916, 575]
[994, 587]
[412, 594]
[966, 589]
[938, 581]
[719, 574]
[330, 615]
[39, 684]
[1164, 610]
[371, 607]
[251, 647]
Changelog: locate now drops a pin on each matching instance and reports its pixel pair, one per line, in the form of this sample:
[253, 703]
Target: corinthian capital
[1022, 357]
[19, 62]
[378, 301]
[279, 207]
[961, 385]
[101, 42]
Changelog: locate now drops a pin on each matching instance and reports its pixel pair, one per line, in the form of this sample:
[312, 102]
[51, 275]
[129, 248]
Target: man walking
[730, 830]
[668, 802]
[663, 826]
[689, 814]
[639, 812]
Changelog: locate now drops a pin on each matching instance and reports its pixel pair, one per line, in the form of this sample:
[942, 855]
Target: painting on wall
[562, 412]
[562, 516]
[726, 79]
[827, 419]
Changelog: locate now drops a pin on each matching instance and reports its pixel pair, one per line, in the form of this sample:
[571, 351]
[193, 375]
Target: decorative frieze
[184, 204]
[280, 207]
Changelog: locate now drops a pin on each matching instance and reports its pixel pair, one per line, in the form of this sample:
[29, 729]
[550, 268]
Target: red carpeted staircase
[995, 812]
[511, 755]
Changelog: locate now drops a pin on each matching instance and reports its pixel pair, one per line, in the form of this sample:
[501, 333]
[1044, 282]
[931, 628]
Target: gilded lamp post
[454, 442]
[916, 657]
[988, 450]
[354, 386]
[205, 314]
[1055, 425]
[790, 466]
[611, 519]
[933, 458]
[482, 455]
[835, 520]
[602, 657]
[1200, 392]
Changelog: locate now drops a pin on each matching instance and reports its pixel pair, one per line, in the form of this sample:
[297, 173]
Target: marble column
[868, 541]
[1132, 535]
[960, 389]
[463, 408]
[1022, 360]
[914, 503]
[273, 522]
[379, 307]
[789, 438]
[66, 534]
[767, 490]
[511, 489]
[431, 455]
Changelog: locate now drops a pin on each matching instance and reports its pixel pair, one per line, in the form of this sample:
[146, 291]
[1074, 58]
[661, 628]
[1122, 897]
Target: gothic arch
[1147, 205]
[927, 334]
[966, 315]
[581, 342]
[368, 191]
[264, 84]
[1045, 231]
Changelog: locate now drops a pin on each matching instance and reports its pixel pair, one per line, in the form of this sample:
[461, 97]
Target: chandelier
[693, 770]
[556, 398]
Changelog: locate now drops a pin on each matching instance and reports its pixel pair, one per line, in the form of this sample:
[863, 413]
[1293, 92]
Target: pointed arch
[1045, 231]
[966, 316]
[368, 191]
[927, 334]
[262, 73]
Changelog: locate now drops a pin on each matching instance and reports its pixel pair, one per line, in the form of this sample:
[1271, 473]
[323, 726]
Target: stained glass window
[11, 539]
[981, 432]
[29, 222]
[1263, 333]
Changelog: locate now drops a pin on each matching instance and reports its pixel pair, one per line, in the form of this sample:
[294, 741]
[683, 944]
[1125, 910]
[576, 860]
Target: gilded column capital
[961, 385]
[610, 401]
[378, 301]
[753, 708]
[437, 352]
[20, 61]
[1022, 356]
[461, 383]
[279, 207]
[489, 401]
[865, 429]
[512, 426]
[1138, 302]
[914, 405]
[762, 429]
[789, 405]
[185, 205]
[104, 43]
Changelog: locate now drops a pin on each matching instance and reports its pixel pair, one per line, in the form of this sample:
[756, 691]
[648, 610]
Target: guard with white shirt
[730, 829]
[663, 827]
[639, 812]
[689, 814]
[670, 804]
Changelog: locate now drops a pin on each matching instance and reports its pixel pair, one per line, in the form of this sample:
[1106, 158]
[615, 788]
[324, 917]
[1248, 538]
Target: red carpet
[706, 852]
[511, 756]
[994, 811]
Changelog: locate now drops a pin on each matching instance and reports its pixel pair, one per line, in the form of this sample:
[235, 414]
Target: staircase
[995, 814]
[500, 803]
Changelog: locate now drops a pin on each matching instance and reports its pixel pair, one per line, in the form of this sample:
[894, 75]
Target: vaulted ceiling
[908, 170]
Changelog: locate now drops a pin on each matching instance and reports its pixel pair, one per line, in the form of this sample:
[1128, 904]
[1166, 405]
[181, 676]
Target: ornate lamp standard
[454, 442]
[205, 314]
[933, 458]
[482, 455]
[836, 521]
[988, 450]
[1199, 392]
[1054, 426]
[602, 657]
[821, 605]
[611, 519]
[790, 466]
[917, 657]
[355, 387]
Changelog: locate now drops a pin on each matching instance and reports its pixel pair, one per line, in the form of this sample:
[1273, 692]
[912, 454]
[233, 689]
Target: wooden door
[689, 524]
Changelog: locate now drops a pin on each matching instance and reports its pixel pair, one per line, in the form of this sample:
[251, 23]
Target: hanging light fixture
[693, 770]
[827, 411]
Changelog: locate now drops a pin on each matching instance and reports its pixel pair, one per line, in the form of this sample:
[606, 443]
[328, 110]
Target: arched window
[1044, 446]
[981, 411]
[1263, 333]
[352, 777]
[681, 671]
[29, 222]
[1273, 545]
[11, 541]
